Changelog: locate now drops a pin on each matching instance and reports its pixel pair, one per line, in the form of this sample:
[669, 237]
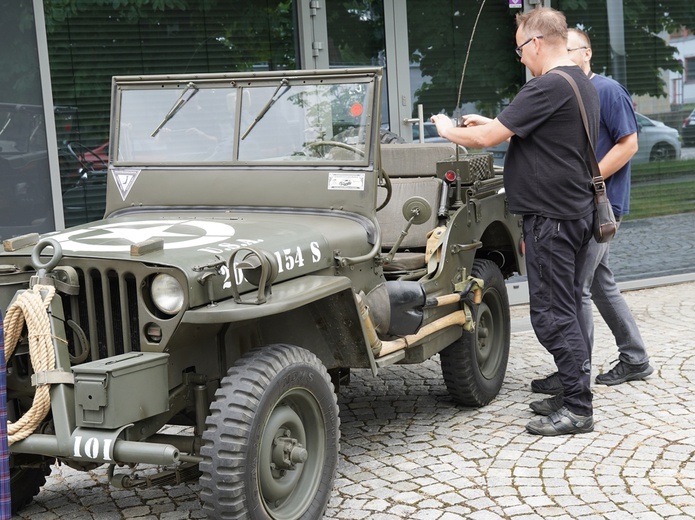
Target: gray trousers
[600, 287]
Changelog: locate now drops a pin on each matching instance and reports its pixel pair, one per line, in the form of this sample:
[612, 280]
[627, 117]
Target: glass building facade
[446, 56]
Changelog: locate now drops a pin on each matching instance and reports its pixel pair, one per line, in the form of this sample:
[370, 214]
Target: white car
[657, 142]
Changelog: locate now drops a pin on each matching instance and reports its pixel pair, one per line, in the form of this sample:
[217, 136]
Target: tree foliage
[440, 34]
[442, 37]
[20, 81]
[89, 41]
[646, 26]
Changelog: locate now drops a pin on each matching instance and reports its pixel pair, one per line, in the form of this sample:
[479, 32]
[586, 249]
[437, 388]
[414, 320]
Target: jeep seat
[412, 170]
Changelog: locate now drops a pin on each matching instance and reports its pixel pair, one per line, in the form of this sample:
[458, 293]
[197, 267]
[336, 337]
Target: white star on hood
[137, 234]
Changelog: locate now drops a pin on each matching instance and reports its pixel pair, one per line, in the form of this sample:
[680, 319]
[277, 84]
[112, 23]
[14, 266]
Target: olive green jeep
[259, 242]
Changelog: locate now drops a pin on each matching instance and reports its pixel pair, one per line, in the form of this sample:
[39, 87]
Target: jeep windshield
[254, 120]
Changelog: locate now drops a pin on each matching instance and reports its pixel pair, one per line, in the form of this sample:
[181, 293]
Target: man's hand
[443, 123]
[474, 120]
[476, 132]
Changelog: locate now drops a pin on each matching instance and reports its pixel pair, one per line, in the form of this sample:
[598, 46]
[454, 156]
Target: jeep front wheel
[270, 449]
[474, 366]
[26, 482]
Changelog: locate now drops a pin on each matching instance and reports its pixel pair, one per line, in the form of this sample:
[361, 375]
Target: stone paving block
[174, 515]
[163, 508]
[455, 514]
[128, 501]
[485, 515]
[134, 512]
[47, 515]
[427, 514]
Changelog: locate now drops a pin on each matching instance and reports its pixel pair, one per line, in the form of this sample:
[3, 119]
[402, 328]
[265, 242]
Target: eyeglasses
[576, 49]
[519, 49]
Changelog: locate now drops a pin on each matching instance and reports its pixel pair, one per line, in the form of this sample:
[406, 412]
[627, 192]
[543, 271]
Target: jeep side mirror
[416, 210]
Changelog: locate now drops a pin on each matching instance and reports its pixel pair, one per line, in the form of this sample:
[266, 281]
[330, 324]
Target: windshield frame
[359, 86]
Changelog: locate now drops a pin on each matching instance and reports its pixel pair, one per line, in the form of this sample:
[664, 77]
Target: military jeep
[259, 242]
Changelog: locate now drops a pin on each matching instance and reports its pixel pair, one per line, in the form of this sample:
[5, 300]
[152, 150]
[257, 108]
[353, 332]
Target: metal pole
[616, 32]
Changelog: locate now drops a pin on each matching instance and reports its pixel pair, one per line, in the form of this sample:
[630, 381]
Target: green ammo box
[469, 168]
[123, 389]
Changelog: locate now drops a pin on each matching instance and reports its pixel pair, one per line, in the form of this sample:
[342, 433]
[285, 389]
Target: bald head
[579, 49]
[547, 21]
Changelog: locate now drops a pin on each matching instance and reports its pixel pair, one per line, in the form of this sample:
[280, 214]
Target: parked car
[688, 130]
[657, 142]
[84, 193]
[99, 155]
[85, 158]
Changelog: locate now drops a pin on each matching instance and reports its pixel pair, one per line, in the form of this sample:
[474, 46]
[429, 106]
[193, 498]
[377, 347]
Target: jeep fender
[318, 313]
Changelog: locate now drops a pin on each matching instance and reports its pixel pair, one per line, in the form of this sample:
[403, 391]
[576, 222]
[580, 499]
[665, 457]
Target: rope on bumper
[31, 307]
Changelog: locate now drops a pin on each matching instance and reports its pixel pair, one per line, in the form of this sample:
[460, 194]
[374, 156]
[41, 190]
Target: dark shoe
[562, 422]
[549, 405]
[623, 372]
[549, 385]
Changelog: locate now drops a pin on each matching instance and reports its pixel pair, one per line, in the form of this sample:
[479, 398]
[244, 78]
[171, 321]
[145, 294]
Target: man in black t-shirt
[547, 179]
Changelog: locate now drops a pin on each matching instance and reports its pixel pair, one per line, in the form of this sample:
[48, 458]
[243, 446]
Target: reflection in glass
[316, 123]
[26, 205]
[202, 128]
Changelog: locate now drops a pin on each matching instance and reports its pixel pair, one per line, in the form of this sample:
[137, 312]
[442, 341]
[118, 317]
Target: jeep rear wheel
[271, 445]
[474, 366]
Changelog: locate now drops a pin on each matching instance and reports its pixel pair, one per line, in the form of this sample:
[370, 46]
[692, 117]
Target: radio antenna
[463, 72]
[468, 52]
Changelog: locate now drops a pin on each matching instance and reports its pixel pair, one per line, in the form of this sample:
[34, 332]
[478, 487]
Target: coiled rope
[31, 307]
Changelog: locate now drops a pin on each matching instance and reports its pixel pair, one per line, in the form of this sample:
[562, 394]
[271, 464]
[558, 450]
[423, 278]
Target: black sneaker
[623, 372]
[548, 405]
[549, 385]
[562, 422]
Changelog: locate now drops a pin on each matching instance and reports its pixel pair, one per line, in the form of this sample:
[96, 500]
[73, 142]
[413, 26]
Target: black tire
[25, 484]
[275, 392]
[474, 366]
[662, 152]
[388, 137]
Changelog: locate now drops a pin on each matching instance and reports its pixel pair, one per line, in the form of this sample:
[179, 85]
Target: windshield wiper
[270, 103]
[177, 106]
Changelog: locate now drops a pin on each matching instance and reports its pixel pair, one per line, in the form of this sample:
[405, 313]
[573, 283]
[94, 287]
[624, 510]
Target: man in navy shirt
[617, 143]
[547, 179]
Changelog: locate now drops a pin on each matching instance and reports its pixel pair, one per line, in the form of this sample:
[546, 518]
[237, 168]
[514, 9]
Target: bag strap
[573, 84]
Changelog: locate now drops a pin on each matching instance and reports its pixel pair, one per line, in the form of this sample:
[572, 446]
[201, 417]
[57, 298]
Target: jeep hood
[301, 242]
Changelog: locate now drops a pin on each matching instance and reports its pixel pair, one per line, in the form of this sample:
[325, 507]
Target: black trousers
[556, 267]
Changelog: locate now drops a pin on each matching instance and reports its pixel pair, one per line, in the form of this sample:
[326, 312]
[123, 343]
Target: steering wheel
[79, 151]
[334, 144]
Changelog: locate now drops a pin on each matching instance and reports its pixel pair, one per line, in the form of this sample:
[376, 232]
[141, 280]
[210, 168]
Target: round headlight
[167, 294]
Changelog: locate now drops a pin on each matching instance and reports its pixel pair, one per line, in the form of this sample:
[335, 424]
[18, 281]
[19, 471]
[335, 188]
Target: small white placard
[125, 180]
[346, 181]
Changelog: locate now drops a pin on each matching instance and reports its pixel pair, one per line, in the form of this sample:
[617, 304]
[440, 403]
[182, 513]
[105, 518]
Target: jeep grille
[106, 310]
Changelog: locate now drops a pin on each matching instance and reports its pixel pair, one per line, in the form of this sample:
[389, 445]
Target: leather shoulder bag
[605, 225]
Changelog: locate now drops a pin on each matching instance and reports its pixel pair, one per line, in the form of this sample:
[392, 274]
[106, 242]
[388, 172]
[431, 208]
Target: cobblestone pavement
[407, 452]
